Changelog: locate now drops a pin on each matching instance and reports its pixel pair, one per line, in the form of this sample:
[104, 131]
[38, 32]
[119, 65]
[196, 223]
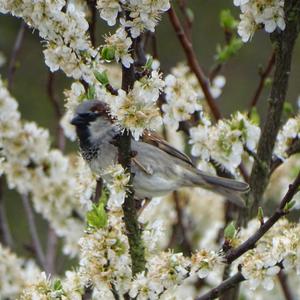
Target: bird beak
[77, 120]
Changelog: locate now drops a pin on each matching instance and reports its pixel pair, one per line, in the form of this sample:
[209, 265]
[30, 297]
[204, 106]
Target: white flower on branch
[269, 13]
[225, 141]
[15, 274]
[118, 44]
[137, 109]
[289, 133]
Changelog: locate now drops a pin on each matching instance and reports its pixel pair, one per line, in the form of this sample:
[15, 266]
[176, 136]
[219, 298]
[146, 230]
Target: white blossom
[270, 13]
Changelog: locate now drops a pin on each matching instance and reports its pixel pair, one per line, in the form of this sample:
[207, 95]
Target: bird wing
[157, 141]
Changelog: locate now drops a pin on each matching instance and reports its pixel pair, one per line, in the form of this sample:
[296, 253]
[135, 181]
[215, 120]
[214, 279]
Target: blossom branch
[233, 254]
[134, 232]
[283, 43]
[15, 51]
[263, 76]
[223, 287]
[193, 63]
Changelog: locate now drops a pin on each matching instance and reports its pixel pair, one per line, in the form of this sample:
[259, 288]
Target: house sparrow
[158, 167]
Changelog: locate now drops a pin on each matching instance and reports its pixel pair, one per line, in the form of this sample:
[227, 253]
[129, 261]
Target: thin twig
[60, 137]
[188, 22]
[51, 251]
[186, 244]
[193, 63]
[98, 190]
[5, 234]
[15, 52]
[223, 287]
[33, 231]
[233, 254]
[263, 76]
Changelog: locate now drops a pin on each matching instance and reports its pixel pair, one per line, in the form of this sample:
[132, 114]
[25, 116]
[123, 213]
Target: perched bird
[158, 167]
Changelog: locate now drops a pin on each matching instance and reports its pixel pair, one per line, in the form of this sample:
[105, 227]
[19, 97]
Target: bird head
[93, 123]
[89, 111]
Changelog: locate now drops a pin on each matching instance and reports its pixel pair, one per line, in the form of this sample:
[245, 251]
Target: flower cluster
[225, 141]
[183, 94]
[137, 109]
[168, 269]
[44, 287]
[104, 257]
[68, 46]
[117, 182]
[268, 13]
[287, 135]
[31, 167]
[143, 15]
[279, 247]
[15, 273]
[117, 46]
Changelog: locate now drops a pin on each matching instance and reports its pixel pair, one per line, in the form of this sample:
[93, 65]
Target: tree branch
[263, 76]
[193, 63]
[223, 287]
[33, 231]
[283, 42]
[233, 254]
[283, 280]
[134, 232]
[15, 52]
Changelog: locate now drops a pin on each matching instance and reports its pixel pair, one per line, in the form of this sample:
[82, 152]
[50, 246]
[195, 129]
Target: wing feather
[156, 140]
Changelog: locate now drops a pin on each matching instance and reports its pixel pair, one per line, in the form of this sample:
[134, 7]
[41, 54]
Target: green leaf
[229, 231]
[226, 52]
[102, 77]
[227, 21]
[254, 116]
[289, 206]
[91, 93]
[108, 53]
[57, 285]
[260, 214]
[288, 108]
[149, 62]
[97, 217]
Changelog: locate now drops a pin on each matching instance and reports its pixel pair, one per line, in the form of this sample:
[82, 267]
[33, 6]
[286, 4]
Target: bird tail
[230, 188]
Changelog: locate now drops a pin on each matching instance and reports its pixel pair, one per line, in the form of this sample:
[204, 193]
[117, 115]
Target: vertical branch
[33, 231]
[134, 232]
[283, 280]
[92, 23]
[283, 43]
[14, 55]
